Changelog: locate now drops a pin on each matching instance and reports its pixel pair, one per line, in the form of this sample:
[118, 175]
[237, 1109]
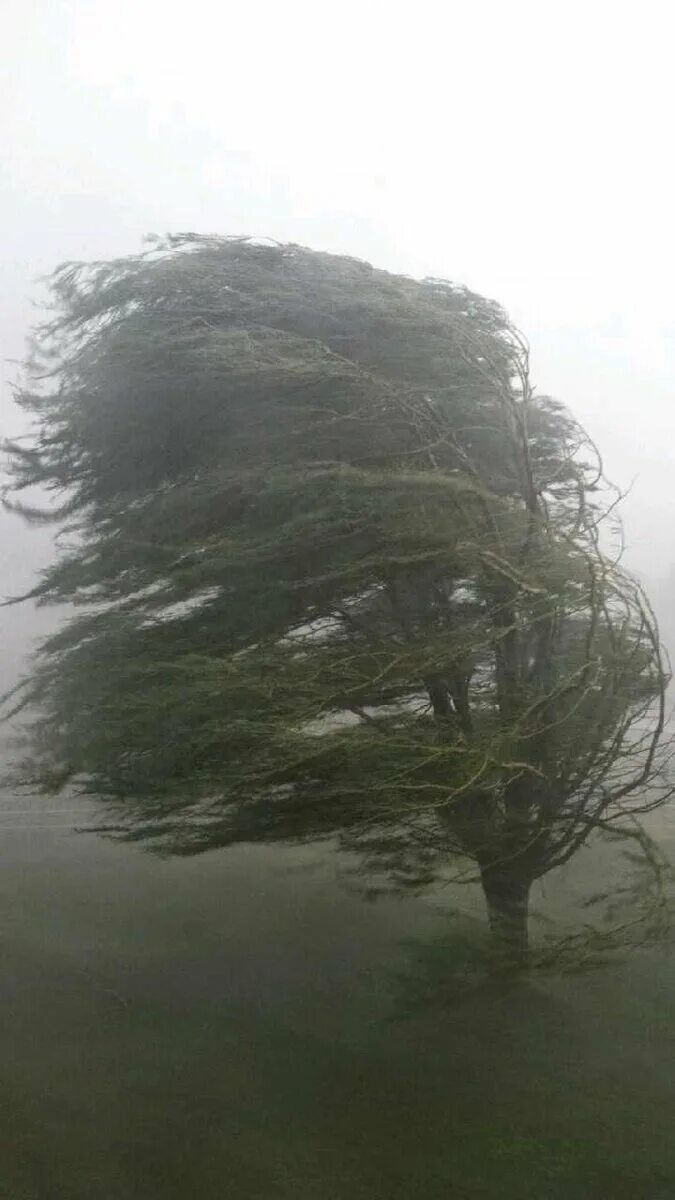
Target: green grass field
[229, 1027]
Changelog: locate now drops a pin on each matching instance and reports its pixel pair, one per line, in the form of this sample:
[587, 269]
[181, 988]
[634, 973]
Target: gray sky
[522, 148]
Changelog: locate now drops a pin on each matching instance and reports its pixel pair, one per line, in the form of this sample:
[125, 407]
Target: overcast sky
[524, 149]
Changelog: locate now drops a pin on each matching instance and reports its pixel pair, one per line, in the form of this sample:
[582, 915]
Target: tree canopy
[337, 571]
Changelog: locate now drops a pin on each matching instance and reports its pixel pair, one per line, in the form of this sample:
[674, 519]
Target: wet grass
[223, 1028]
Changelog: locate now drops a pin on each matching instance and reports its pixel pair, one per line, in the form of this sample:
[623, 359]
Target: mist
[519, 151]
[170, 1021]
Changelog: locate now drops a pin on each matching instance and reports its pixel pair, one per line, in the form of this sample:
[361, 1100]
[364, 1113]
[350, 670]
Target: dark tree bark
[507, 891]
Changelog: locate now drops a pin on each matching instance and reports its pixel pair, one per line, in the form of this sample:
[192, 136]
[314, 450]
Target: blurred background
[221, 1027]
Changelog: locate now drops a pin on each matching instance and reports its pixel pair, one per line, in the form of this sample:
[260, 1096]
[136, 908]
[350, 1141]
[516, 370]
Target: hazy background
[166, 1026]
[523, 149]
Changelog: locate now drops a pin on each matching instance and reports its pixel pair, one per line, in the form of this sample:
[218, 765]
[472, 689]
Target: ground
[230, 1026]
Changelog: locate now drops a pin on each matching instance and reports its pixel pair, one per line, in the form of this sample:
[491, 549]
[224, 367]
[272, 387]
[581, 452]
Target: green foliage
[335, 567]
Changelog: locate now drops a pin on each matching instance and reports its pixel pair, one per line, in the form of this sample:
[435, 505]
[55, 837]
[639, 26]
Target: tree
[337, 573]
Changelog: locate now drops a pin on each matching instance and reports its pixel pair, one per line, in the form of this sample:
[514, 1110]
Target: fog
[521, 149]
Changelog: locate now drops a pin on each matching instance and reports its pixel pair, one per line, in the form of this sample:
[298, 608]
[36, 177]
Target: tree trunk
[507, 898]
